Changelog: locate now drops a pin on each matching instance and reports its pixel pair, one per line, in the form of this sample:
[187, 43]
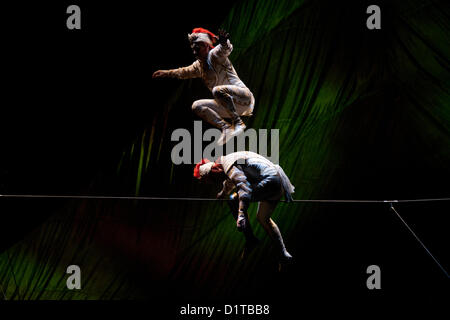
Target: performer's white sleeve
[192, 71]
[222, 51]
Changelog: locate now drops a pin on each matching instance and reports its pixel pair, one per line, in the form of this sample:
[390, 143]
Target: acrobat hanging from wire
[255, 179]
[232, 99]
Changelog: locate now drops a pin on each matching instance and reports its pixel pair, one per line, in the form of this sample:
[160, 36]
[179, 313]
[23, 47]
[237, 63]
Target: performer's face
[200, 50]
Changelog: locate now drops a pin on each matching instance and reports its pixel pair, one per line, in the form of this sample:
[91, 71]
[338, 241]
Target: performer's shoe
[285, 260]
[286, 256]
[248, 247]
[239, 127]
[241, 222]
[227, 134]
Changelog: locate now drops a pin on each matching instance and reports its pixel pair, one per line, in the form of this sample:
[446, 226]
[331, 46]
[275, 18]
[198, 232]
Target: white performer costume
[256, 179]
[232, 98]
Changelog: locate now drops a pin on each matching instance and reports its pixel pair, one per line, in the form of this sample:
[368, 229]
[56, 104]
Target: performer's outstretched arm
[189, 72]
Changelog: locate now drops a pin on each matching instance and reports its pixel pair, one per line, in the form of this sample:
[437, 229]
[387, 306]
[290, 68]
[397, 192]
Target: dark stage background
[362, 115]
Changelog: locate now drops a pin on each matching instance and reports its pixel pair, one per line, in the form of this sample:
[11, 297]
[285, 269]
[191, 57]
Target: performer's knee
[196, 107]
[219, 92]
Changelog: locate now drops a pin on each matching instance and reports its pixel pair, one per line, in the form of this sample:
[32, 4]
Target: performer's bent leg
[207, 109]
[265, 210]
[226, 95]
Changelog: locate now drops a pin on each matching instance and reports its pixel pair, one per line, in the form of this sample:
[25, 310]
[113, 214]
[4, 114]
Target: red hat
[202, 35]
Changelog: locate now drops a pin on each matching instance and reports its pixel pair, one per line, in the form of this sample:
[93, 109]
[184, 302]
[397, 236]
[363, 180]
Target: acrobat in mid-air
[232, 99]
[254, 179]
